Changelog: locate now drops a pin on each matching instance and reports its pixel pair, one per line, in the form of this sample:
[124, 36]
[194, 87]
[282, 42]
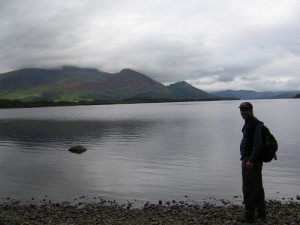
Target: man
[251, 145]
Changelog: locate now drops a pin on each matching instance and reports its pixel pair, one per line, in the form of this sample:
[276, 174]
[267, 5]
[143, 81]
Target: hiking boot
[261, 214]
[262, 217]
[246, 219]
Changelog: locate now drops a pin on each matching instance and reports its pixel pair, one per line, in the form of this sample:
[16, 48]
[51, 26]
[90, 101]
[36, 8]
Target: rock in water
[78, 149]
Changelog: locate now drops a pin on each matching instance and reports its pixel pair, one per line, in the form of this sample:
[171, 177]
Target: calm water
[142, 151]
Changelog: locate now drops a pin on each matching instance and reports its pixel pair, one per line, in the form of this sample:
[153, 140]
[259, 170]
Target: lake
[143, 152]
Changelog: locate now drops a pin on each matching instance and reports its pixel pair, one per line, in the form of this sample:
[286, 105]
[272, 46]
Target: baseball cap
[246, 105]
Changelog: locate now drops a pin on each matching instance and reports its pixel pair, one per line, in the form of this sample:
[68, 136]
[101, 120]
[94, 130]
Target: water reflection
[50, 132]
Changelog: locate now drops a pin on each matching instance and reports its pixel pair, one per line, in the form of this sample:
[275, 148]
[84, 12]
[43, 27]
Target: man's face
[246, 113]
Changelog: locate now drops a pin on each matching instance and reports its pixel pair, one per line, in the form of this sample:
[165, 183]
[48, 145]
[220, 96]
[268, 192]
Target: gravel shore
[173, 213]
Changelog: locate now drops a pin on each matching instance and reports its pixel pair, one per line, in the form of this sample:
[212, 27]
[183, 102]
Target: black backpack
[270, 145]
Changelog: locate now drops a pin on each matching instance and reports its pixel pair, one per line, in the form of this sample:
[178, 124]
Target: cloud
[212, 44]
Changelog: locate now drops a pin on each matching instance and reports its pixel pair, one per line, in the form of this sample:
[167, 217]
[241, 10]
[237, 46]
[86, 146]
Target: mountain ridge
[250, 94]
[71, 83]
[77, 84]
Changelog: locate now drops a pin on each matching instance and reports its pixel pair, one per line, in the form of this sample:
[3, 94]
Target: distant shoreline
[6, 103]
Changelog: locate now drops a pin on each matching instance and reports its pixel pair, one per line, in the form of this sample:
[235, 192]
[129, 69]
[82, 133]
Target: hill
[183, 90]
[249, 94]
[84, 84]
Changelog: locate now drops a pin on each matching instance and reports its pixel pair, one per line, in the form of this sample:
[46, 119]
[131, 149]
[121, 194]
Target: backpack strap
[251, 127]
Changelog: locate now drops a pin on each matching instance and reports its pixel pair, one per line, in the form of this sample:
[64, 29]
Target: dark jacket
[252, 142]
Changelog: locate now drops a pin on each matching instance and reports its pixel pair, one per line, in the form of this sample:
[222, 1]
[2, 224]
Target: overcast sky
[212, 44]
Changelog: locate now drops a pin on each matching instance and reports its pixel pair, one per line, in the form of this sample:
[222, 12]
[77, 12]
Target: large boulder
[78, 149]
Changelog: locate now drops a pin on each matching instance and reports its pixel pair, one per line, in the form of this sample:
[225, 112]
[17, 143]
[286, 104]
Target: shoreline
[164, 212]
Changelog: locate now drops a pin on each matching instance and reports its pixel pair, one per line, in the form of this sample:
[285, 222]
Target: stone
[78, 149]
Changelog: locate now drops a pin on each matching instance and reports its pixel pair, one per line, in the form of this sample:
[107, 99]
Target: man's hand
[249, 165]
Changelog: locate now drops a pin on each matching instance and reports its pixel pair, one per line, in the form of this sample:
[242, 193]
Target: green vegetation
[19, 95]
[55, 96]
[64, 97]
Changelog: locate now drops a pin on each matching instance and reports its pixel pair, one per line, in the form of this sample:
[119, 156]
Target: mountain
[41, 84]
[185, 90]
[75, 84]
[30, 78]
[249, 94]
[129, 83]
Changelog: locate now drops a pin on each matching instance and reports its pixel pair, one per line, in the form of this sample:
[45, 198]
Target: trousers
[253, 190]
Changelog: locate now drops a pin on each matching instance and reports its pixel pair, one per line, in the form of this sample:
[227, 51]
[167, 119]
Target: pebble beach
[162, 213]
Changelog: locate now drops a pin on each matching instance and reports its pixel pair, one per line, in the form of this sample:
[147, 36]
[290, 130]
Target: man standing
[251, 145]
